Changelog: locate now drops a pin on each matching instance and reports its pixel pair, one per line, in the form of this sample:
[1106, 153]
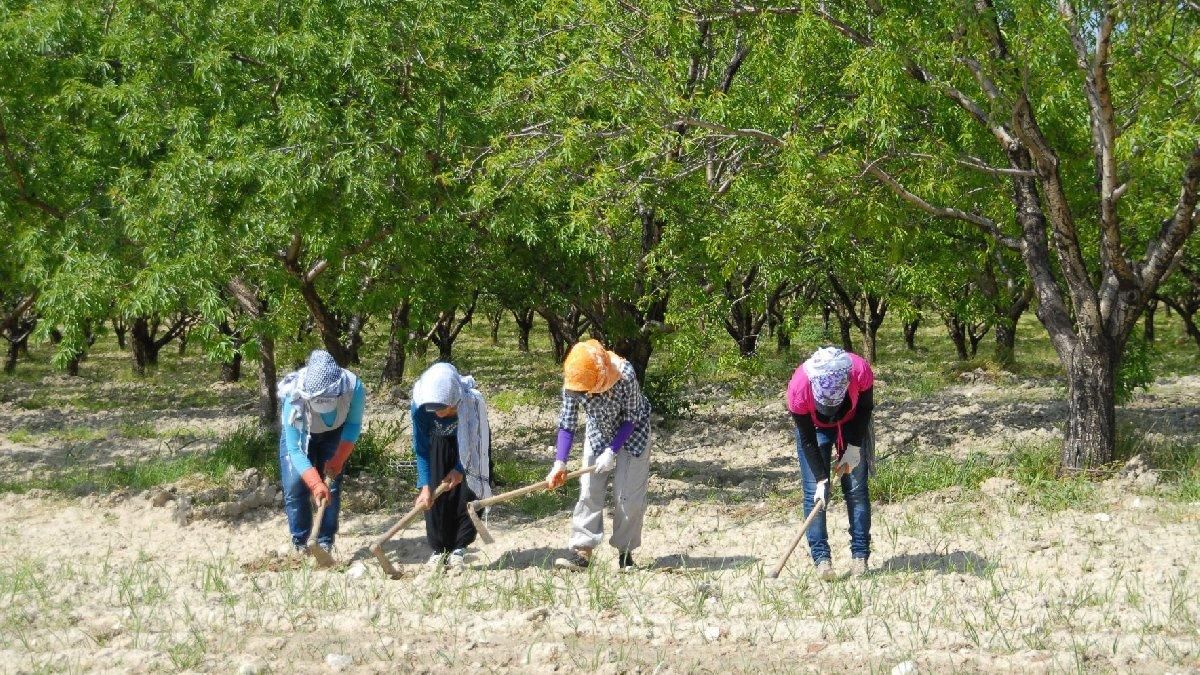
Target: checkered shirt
[605, 412]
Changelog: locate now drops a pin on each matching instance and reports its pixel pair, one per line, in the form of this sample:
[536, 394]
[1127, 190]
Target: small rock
[536, 614]
[1136, 466]
[182, 515]
[357, 570]
[83, 489]
[1147, 480]
[713, 633]
[905, 668]
[999, 487]
[160, 497]
[252, 667]
[541, 653]
[339, 662]
[1103, 517]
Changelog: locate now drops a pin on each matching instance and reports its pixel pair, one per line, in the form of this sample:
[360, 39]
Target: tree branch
[988, 225]
[10, 160]
[729, 131]
[1163, 249]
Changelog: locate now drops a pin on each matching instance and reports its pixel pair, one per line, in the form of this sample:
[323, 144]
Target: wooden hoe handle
[527, 490]
[778, 569]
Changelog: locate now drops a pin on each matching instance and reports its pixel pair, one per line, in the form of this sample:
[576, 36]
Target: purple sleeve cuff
[562, 448]
[623, 433]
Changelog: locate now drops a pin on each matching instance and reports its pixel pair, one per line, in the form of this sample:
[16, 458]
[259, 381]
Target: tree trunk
[976, 333]
[252, 303]
[844, 326]
[1006, 342]
[120, 329]
[447, 329]
[524, 318]
[231, 370]
[73, 365]
[910, 333]
[494, 319]
[268, 401]
[1189, 323]
[10, 361]
[870, 340]
[783, 337]
[1091, 417]
[637, 351]
[958, 335]
[1148, 327]
[144, 351]
[183, 342]
[354, 337]
[397, 354]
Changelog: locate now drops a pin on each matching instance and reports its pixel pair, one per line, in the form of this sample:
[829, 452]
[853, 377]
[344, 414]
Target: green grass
[246, 447]
[507, 400]
[511, 471]
[21, 436]
[1035, 468]
[907, 476]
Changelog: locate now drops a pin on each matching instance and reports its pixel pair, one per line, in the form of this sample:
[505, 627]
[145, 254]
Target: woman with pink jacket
[831, 400]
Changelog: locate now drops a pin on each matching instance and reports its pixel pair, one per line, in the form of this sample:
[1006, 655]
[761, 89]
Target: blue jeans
[854, 489]
[297, 502]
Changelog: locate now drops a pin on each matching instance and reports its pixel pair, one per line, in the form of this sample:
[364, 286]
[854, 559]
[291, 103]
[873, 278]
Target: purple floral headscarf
[828, 371]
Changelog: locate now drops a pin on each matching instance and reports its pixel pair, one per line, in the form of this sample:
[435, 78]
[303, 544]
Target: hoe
[817, 508]
[508, 496]
[377, 547]
[323, 557]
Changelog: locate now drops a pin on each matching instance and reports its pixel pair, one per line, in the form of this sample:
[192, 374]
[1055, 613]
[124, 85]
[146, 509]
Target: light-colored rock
[905, 668]
[182, 515]
[536, 614]
[542, 653]
[1103, 517]
[1146, 481]
[1000, 487]
[252, 667]
[339, 662]
[357, 570]
[713, 633]
[160, 497]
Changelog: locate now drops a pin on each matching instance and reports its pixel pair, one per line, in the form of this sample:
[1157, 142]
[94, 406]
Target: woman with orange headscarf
[616, 441]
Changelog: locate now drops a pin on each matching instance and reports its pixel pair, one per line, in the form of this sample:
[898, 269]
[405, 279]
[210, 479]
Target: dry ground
[992, 579]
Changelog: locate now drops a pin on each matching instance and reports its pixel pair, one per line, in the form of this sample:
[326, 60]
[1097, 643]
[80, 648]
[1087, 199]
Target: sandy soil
[963, 581]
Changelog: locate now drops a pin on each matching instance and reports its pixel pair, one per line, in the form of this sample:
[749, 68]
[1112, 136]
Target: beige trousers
[629, 480]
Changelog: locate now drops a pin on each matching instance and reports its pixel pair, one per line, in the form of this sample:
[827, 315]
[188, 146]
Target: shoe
[625, 561]
[457, 560]
[858, 567]
[299, 549]
[825, 571]
[436, 561]
[578, 560]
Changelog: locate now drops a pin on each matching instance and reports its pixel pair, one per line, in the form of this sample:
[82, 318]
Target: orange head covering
[589, 367]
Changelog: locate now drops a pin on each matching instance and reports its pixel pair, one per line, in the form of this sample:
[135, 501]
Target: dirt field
[993, 578]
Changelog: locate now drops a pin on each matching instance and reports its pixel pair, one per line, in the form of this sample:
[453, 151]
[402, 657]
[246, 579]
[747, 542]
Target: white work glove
[606, 461]
[557, 475]
[819, 495]
[849, 461]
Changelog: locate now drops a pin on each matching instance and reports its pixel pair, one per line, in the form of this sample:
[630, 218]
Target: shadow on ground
[956, 562]
[522, 559]
[683, 562]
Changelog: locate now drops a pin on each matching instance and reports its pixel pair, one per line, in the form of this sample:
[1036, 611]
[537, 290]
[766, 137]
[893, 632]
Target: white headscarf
[442, 385]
